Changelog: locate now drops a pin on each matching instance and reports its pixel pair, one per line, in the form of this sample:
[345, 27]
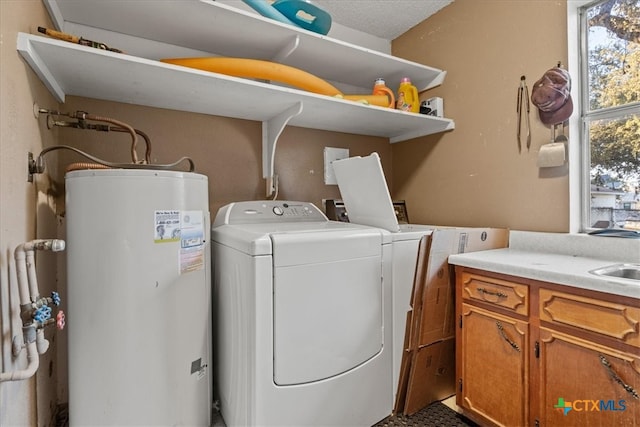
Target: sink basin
[624, 271]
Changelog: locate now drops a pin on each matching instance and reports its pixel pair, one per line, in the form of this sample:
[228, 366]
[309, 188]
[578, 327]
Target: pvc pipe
[21, 272]
[28, 291]
[42, 344]
[34, 363]
[34, 293]
[53, 245]
[23, 291]
[25, 266]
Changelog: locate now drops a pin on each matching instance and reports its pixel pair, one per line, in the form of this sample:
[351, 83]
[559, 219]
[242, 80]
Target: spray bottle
[408, 99]
[380, 88]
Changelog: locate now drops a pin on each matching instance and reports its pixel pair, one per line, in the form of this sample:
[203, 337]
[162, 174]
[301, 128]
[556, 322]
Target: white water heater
[139, 305]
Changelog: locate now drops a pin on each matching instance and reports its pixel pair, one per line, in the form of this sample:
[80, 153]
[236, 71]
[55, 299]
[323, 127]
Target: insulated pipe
[29, 294]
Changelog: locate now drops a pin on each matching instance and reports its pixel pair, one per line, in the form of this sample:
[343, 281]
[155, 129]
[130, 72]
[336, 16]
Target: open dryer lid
[365, 193]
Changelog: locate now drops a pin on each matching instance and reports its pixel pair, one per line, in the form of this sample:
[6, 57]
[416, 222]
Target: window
[609, 63]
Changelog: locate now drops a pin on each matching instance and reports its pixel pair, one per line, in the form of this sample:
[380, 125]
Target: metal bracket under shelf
[271, 130]
[287, 49]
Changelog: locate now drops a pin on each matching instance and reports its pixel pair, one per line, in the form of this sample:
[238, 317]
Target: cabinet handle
[617, 379]
[505, 337]
[493, 293]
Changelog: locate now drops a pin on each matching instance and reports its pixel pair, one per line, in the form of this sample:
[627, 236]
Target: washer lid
[365, 193]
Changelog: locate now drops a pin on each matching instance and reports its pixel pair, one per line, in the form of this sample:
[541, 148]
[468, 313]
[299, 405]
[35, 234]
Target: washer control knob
[278, 210]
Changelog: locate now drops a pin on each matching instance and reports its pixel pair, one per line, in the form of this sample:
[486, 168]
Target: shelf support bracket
[287, 49]
[271, 130]
[437, 81]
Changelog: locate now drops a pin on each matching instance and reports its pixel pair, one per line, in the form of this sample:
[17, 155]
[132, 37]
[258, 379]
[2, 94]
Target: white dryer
[367, 200]
[301, 315]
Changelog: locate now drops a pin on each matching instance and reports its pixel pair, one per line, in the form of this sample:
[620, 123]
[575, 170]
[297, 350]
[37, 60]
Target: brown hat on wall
[552, 95]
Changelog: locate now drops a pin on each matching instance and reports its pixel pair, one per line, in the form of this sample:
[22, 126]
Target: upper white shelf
[71, 69]
[222, 30]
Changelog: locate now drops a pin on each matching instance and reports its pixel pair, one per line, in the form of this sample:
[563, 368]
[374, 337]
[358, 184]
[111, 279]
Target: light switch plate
[330, 155]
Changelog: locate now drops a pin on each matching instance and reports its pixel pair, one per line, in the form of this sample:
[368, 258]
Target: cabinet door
[494, 367]
[587, 384]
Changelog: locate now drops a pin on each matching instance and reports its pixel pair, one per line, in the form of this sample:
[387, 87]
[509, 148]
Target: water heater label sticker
[192, 229]
[191, 241]
[167, 226]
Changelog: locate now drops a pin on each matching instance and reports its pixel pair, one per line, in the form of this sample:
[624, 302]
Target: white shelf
[71, 69]
[150, 30]
[222, 30]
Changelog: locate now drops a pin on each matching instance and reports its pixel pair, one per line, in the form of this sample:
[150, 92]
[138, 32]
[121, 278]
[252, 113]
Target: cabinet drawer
[500, 293]
[619, 321]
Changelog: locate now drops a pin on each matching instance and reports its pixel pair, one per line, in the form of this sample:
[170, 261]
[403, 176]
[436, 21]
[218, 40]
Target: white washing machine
[302, 315]
[366, 197]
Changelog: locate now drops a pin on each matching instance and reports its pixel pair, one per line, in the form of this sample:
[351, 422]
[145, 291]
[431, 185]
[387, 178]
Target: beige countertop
[564, 259]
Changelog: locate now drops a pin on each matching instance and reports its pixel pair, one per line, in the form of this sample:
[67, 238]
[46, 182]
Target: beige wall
[26, 212]
[471, 176]
[474, 175]
[228, 151]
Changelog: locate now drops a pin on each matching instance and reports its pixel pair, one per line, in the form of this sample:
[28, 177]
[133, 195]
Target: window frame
[576, 155]
[579, 153]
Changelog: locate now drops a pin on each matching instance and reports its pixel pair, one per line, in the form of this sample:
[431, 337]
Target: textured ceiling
[386, 19]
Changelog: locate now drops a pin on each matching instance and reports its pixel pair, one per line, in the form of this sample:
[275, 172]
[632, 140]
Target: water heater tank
[138, 298]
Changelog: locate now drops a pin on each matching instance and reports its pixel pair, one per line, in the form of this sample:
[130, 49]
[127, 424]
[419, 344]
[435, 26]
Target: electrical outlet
[330, 155]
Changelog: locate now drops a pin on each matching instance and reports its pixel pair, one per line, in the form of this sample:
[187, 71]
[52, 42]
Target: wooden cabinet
[586, 384]
[534, 353]
[589, 360]
[494, 355]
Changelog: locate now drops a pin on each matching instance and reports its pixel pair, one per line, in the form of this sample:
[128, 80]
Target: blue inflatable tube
[305, 14]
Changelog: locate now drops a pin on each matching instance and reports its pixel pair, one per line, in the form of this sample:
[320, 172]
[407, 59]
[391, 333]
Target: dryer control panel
[262, 211]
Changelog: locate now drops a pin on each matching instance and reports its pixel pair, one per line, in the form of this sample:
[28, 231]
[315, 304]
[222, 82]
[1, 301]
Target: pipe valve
[35, 311]
[39, 311]
[42, 314]
[55, 298]
[60, 320]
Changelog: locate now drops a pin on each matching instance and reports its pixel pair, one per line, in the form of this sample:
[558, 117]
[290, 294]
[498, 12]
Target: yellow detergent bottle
[380, 88]
[408, 99]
